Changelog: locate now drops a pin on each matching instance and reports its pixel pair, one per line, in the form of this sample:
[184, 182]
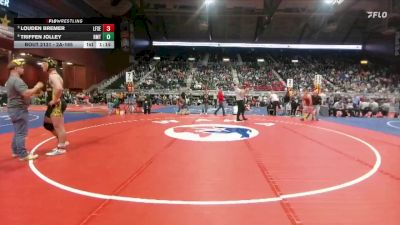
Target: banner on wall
[125, 42]
[289, 83]
[7, 23]
[132, 38]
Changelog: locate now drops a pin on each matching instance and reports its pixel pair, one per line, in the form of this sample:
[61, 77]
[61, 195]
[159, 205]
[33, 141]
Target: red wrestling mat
[167, 169]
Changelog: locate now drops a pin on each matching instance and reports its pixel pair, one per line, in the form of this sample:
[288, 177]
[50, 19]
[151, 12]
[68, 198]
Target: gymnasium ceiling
[264, 21]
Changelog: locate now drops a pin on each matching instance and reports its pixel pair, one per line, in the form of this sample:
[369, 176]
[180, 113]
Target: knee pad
[48, 126]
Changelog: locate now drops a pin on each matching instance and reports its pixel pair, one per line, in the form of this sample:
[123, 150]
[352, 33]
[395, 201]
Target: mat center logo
[211, 132]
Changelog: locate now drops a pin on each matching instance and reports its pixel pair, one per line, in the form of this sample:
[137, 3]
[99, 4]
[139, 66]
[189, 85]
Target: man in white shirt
[275, 103]
[374, 106]
[240, 95]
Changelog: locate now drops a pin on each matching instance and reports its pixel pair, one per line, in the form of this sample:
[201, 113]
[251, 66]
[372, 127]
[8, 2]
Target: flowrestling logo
[380, 15]
[211, 132]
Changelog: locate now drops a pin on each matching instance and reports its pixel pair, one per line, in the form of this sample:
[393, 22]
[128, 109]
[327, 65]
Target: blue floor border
[36, 119]
[385, 125]
[375, 124]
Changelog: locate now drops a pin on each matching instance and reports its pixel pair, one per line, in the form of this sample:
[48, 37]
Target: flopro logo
[211, 132]
[379, 15]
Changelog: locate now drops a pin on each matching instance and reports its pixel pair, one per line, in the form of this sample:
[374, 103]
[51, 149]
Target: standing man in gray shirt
[18, 100]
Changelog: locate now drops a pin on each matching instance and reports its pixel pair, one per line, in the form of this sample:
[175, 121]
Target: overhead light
[251, 45]
[156, 58]
[191, 59]
[260, 60]
[333, 2]
[39, 63]
[295, 60]
[69, 63]
[208, 2]
[22, 54]
[364, 62]
[226, 59]
[186, 44]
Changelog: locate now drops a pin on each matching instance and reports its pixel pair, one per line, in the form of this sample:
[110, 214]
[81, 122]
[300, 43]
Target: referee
[240, 94]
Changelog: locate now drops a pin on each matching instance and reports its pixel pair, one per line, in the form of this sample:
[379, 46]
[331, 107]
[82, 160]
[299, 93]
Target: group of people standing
[19, 98]
[240, 96]
[311, 105]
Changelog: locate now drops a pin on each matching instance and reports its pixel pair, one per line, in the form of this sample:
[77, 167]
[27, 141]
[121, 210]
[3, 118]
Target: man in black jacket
[147, 105]
[317, 101]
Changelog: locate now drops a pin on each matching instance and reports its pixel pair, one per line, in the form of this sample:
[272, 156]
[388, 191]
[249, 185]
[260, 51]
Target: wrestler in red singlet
[307, 105]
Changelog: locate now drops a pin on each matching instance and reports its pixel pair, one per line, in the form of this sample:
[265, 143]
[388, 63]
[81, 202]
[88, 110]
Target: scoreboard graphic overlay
[91, 33]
